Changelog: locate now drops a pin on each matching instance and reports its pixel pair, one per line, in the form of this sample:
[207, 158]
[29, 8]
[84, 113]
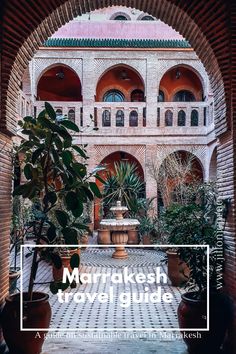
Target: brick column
[151, 92]
[88, 89]
[151, 187]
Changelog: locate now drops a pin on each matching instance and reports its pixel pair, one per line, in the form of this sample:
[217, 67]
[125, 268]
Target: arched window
[137, 96]
[120, 118]
[113, 96]
[161, 97]
[184, 96]
[168, 118]
[106, 118]
[147, 18]
[194, 118]
[59, 114]
[133, 119]
[120, 18]
[71, 115]
[181, 118]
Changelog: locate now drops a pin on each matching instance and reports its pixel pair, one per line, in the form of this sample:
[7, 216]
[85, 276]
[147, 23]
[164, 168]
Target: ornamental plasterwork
[164, 65]
[101, 65]
[138, 151]
[199, 151]
[42, 64]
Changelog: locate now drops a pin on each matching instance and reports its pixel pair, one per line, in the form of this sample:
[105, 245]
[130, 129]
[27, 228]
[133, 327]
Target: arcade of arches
[26, 25]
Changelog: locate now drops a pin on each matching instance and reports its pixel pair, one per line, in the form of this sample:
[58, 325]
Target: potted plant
[182, 225]
[20, 227]
[53, 175]
[146, 228]
[142, 209]
[192, 311]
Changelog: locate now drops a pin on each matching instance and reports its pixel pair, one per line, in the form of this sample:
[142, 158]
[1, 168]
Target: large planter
[104, 237]
[58, 273]
[146, 240]
[133, 237]
[14, 275]
[178, 271]
[36, 314]
[192, 313]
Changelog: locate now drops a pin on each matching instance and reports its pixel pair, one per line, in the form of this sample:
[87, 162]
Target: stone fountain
[119, 228]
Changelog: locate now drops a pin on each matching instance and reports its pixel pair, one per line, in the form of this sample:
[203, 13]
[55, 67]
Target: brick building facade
[150, 59]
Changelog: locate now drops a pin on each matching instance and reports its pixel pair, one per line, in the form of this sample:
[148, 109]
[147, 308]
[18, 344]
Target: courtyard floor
[102, 327]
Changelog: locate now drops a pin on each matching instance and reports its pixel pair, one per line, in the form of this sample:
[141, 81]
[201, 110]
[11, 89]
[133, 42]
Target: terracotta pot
[133, 237]
[104, 237]
[14, 275]
[192, 313]
[178, 271]
[147, 240]
[3, 347]
[58, 273]
[36, 314]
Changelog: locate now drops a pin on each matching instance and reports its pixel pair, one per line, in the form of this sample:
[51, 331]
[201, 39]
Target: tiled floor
[138, 317]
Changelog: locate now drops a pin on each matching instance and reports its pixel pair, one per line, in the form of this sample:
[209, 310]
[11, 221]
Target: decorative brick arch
[137, 151]
[108, 64]
[44, 64]
[41, 21]
[193, 65]
[200, 152]
[102, 66]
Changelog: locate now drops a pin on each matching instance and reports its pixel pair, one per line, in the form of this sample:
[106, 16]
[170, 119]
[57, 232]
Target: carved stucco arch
[40, 66]
[102, 66]
[200, 152]
[137, 151]
[194, 65]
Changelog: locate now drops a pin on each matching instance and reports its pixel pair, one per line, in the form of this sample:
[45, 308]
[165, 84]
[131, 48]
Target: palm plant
[123, 184]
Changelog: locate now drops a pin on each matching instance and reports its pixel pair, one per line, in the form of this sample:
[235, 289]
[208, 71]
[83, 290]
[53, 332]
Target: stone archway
[170, 177]
[116, 156]
[196, 67]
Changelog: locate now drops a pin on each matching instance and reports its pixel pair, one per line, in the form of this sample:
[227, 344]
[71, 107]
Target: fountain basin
[119, 228]
[119, 225]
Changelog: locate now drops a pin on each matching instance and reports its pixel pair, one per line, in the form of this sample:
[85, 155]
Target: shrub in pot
[20, 227]
[55, 177]
[196, 224]
[146, 228]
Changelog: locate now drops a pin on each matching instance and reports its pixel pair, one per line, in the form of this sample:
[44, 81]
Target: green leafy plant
[20, 227]
[56, 172]
[195, 224]
[123, 184]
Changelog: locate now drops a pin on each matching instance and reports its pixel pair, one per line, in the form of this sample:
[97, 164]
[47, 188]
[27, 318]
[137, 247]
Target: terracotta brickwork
[5, 210]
